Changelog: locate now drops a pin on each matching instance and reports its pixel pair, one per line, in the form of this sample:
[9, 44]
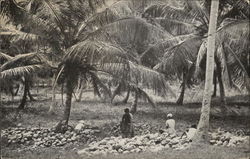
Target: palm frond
[114, 12]
[154, 53]
[21, 36]
[237, 67]
[79, 9]
[235, 33]
[97, 81]
[179, 58]
[145, 96]
[132, 33]
[93, 53]
[54, 11]
[149, 78]
[242, 5]
[171, 13]
[20, 71]
[5, 57]
[138, 76]
[176, 27]
[95, 4]
[37, 25]
[197, 9]
[200, 59]
[17, 59]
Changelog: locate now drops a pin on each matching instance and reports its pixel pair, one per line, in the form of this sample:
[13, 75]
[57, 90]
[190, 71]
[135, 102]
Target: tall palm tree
[203, 126]
[191, 23]
[89, 53]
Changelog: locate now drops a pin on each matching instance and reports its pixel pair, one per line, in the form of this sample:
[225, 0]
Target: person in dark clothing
[127, 128]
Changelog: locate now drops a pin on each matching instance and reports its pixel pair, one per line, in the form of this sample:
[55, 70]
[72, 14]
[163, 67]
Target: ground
[106, 115]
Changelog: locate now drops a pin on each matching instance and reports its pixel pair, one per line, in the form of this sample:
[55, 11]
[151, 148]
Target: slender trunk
[80, 94]
[203, 126]
[215, 84]
[15, 94]
[0, 100]
[69, 93]
[219, 75]
[30, 96]
[24, 98]
[125, 100]
[54, 103]
[117, 89]
[183, 87]
[62, 92]
[135, 102]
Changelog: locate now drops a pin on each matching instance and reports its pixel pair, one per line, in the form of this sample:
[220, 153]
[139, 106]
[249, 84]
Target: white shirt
[170, 123]
[191, 133]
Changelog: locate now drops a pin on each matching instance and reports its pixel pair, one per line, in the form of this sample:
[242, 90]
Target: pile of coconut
[156, 142]
[149, 142]
[224, 138]
[44, 137]
[139, 129]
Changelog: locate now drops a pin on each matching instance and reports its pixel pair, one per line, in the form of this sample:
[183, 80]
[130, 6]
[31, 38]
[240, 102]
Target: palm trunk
[135, 102]
[219, 74]
[54, 103]
[16, 92]
[117, 89]
[215, 84]
[24, 98]
[69, 93]
[203, 126]
[62, 92]
[80, 94]
[183, 87]
[125, 100]
[30, 96]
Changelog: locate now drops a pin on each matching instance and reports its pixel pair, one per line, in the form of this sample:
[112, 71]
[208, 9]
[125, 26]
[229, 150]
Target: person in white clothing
[170, 124]
[190, 132]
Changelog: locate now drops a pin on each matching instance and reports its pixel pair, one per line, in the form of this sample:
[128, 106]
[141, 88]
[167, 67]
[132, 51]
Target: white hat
[170, 115]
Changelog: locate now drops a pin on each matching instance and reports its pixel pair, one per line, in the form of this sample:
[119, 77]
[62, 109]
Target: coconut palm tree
[51, 21]
[203, 126]
[22, 67]
[87, 52]
[192, 20]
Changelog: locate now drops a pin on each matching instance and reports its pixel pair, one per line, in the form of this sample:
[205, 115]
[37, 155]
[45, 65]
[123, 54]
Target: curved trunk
[203, 126]
[30, 96]
[125, 100]
[80, 95]
[16, 92]
[135, 102]
[183, 87]
[24, 98]
[117, 89]
[79, 98]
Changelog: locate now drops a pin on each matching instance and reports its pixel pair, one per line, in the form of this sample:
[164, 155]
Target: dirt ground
[105, 115]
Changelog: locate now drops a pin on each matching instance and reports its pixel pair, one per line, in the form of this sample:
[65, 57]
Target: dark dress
[127, 128]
